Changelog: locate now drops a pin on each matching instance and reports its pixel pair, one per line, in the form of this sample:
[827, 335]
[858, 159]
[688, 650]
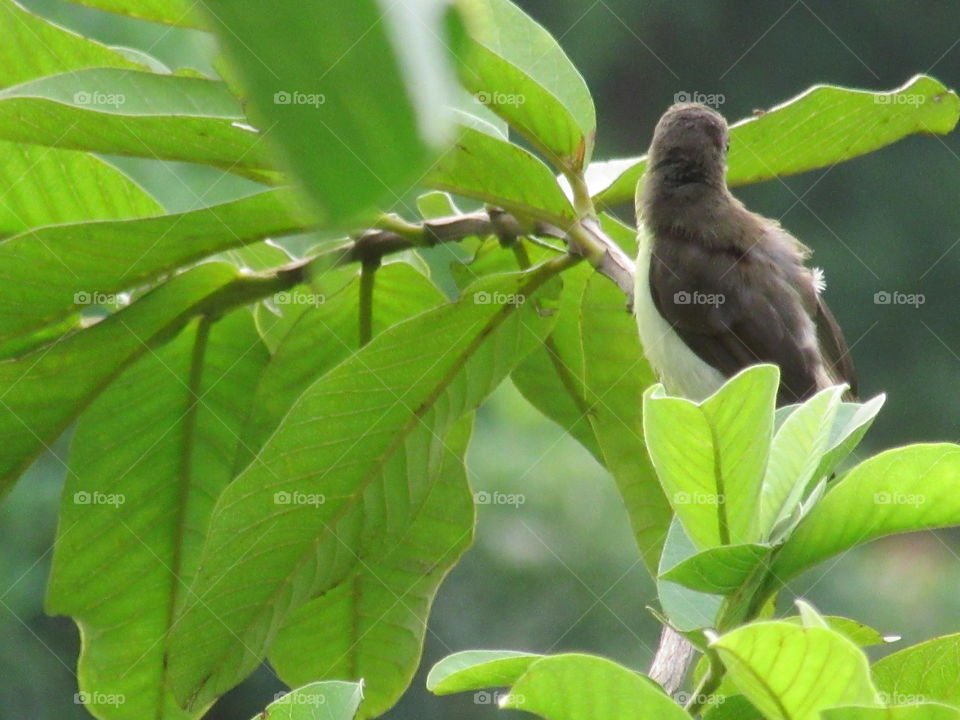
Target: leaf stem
[368, 274]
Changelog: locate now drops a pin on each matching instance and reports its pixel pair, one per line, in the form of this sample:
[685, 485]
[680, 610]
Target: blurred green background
[559, 572]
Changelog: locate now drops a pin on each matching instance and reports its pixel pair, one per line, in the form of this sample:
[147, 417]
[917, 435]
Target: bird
[720, 288]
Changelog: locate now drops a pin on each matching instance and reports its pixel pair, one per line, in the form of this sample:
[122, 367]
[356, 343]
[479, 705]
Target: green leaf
[180, 13]
[587, 378]
[45, 186]
[850, 425]
[686, 609]
[33, 48]
[514, 67]
[926, 672]
[134, 512]
[792, 673]
[371, 625]
[732, 707]
[298, 551]
[126, 112]
[719, 570]
[585, 687]
[710, 456]
[900, 490]
[492, 170]
[858, 633]
[823, 126]
[48, 388]
[795, 455]
[329, 700]
[917, 711]
[362, 89]
[477, 669]
[48, 272]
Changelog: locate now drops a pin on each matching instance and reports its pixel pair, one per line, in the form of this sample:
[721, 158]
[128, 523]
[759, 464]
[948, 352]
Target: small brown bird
[719, 288]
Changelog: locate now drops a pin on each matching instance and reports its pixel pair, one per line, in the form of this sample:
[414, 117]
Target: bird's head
[689, 145]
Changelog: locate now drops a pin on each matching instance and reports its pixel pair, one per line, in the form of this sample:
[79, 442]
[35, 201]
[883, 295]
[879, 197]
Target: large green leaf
[900, 490]
[181, 13]
[823, 126]
[427, 371]
[46, 389]
[916, 711]
[927, 672]
[371, 625]
[492, 170]
[159, 443]
[48, 272]
[711, 456]
[33, 47]
[514, 67]
[792, 673]
[46, 186]
[358, 88]
[329, 700]
[127, 112]
[585, 687]
[588, 378]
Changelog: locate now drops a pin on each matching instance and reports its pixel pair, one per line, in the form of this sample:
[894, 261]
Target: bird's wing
[731, 323]
[834, 348]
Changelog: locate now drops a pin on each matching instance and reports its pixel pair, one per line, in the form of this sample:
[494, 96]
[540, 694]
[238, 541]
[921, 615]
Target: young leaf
[850, 425]
[900, 490]
[477, 669]
[858, 633]
[915, 711]
[518, 70]
[361, 88]
[686, 609]
[181, 13]
[795, 455]
[792, 673]
[926, 672]
[710, 456]
[428, 371]
[586, 687]
[133, 513]
[823, 126]
[719, 570]
[331, 700]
